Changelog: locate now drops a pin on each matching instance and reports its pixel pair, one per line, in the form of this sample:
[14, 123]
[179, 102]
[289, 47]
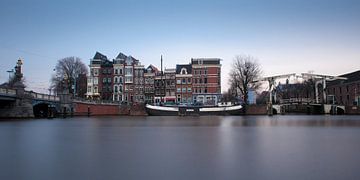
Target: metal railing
[7, 92]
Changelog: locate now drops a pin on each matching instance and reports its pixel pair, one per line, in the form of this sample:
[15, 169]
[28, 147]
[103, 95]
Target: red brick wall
[96, 109]
[352, 110]
[212, 70]
[256, 110]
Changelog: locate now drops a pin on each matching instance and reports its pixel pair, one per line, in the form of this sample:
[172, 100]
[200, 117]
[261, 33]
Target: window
[96, 72]
[189, 80]
[104, 80]
[183, 80]
[109, 80]
[128, 80]
[116, 71]
[96, 80]
[183, 90]
[89, 89]
[115, 89]
[183, 71]
[120, 80]
[129, 70]
[178, 90]
[205, 80]
[115, 80]
[120, 71]
[178, 81]
[95, 89]
[189, 89]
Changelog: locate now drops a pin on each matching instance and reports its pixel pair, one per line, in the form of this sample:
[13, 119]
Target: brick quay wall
[96, 109]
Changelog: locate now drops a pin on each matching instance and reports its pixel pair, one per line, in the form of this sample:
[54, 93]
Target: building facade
[125, 80]
[345, 92]
[159, 87]
[170, 87]
[139, 83]
[149, 89]
[93, 82]
[206, 74]
[184, 84]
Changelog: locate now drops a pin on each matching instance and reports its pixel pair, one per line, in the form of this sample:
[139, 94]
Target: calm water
[252, 147]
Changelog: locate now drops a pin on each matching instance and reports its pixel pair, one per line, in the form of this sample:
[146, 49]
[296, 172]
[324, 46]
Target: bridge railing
[296, 100]
[8, 92]
[41, 96]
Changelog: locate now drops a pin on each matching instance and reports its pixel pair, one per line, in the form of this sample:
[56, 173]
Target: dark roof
[351, 77]
[121, 56]
[153, 68]
[100, 56]
[133, 59]
[180, 66]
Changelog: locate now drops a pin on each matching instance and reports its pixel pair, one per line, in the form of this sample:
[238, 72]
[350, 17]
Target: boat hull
[193, 111]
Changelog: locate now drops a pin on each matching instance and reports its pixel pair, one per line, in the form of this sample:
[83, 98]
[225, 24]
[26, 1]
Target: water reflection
[206, 147]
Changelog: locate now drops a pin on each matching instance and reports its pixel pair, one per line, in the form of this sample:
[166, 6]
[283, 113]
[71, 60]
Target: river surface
[207, 147]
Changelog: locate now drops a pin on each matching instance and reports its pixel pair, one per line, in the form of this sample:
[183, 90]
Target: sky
[286, 36]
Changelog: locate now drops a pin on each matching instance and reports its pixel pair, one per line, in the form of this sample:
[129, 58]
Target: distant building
[170, 87]
[93, 82]
[139, 83]
[149, 89]
[125, 80]
[119, 76]
[105, 77]
[345, 92]
[206, 75]
[159, 87]
[183, 83]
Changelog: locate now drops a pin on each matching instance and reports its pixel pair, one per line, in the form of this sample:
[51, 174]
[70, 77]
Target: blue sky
[286, 36]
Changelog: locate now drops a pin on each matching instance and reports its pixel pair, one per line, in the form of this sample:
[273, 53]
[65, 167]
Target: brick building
[93, 81]
[170, 87]
[149, 77]
[345, 92]
[159, 87]
[206, 74]
[139, 83]
[118, 66]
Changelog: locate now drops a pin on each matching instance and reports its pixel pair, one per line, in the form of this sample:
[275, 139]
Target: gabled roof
[121, 56]
[153, 68]
[100, 56]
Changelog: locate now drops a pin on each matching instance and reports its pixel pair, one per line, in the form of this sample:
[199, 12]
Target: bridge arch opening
[43, 110]
[274, 111]
[340, 111]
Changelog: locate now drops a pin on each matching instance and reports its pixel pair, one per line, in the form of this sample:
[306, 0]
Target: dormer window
[183, 71]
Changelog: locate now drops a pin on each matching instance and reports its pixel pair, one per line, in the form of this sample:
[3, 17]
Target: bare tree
[66, 71]
[244, 71]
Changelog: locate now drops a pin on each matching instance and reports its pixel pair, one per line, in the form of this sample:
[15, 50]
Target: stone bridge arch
[44, 109]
